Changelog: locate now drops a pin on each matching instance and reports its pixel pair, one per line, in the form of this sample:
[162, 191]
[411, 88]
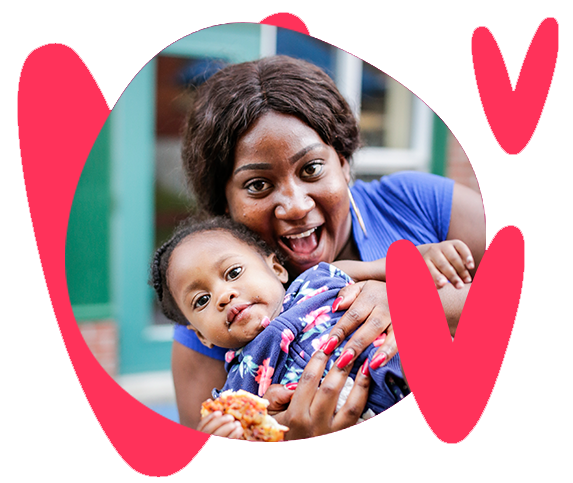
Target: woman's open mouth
[303, 250]
[303, 243]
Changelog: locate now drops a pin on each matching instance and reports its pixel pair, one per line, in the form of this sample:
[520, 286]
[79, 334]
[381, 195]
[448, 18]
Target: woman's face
[291, 188]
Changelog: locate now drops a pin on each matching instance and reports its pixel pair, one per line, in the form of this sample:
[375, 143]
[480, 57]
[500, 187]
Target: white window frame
[377, 161]
[373, 161]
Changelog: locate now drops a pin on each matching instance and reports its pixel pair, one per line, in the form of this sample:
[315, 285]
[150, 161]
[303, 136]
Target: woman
[269, 144]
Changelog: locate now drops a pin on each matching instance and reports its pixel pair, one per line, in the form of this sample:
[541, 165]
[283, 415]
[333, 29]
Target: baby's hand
[221, 424]
[449, 260]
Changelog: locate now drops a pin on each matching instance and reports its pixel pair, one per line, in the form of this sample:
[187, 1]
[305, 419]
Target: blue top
[408, 205]
[279, 354]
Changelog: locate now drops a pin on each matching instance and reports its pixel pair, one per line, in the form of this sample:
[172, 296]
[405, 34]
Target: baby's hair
[193, 226]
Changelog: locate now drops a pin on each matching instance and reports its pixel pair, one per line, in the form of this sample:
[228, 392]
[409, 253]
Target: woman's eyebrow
[294, 158]
[253, 166]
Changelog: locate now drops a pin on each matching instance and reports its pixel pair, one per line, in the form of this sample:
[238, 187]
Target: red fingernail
[377, 361]
[379, 340]
[336, 303]
[330, 345]
[365, 368]
[345, 358]
[291, 386]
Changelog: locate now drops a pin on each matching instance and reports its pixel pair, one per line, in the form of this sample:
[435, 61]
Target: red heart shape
[287, 21]
[60, 113]
[513, 115]
[452, 380]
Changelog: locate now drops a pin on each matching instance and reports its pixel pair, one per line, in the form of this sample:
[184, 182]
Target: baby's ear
[276, 266]
[204, 341]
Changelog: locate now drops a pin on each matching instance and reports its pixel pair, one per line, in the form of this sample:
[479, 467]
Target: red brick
[458, 166]
[102, 339]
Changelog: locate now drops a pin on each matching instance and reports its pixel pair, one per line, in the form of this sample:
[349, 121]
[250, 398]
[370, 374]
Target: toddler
[220, 280]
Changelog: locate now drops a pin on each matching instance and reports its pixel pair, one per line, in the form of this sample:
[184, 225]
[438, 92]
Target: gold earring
[357, 212]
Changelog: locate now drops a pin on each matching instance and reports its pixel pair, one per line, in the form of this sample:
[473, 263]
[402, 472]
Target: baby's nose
[226, 297]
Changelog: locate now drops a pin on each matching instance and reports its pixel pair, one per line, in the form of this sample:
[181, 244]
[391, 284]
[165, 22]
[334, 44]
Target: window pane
[386, 108]
[176, 77]
[307, 48]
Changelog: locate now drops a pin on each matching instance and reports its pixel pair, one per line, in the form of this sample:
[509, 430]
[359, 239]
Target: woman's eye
[312, 169]
[257, 186]
[234, 273]
[202, 301]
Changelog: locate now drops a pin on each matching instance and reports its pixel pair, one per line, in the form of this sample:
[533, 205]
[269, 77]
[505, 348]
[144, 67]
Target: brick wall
[101, 338]
[458, 166]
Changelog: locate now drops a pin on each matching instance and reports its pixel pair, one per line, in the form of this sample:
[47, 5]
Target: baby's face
[225, 288]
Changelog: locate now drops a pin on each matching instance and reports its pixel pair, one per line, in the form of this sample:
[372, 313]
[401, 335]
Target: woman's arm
[467, 221]
[194, 376]
[367, 304]
[453, 300]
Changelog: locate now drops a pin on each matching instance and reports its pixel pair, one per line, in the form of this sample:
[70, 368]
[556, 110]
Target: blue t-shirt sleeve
[408, 205]
[423, 199]
[189, 339]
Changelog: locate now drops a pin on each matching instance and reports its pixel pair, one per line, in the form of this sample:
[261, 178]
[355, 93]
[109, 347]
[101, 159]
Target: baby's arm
[221, 424]
[359, 271]
[448, 260]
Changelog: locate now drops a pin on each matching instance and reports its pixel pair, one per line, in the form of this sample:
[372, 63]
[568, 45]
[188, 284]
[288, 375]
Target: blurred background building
[132, 192]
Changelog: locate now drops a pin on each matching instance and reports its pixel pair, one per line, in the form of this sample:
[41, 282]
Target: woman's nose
[293, 204]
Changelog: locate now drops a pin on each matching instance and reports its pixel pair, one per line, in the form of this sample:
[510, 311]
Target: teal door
[111, 233]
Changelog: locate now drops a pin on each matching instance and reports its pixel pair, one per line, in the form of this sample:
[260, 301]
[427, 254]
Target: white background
[525, 434]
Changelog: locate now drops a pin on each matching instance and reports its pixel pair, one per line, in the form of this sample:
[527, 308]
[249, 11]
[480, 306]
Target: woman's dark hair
[230, 101]
[192, 226]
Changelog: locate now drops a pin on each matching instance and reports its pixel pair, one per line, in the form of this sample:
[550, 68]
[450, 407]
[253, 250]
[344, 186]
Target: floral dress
[279, 354]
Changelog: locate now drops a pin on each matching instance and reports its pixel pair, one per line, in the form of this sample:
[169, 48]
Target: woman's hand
[367, 313]
[311, 411]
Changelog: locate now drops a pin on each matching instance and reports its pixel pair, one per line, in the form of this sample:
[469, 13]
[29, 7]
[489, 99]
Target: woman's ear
[345, 165]
[204, 341]
[276, 266]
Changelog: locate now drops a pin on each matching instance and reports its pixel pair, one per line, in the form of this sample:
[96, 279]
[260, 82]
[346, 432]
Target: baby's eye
[202, 301]
[234, 273]
[312, 169]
